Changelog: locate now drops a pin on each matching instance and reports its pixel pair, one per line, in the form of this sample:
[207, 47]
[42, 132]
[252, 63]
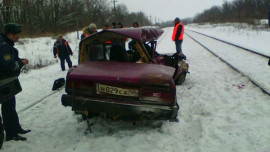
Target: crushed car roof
[141, 34]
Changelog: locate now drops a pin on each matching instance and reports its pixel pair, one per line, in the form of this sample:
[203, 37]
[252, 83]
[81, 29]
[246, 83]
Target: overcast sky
[164, 10]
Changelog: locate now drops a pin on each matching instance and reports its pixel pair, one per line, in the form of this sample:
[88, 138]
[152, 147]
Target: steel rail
[230, 65]
[40, 100]
[267, 56]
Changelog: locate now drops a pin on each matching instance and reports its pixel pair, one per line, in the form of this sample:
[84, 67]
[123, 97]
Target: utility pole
[150, 19]
[114, 1]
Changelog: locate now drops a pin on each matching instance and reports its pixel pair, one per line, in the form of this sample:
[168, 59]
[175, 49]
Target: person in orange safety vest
[178, 35]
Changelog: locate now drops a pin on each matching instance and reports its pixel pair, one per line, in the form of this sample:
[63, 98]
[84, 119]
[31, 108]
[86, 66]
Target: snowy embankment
[215, 114]
[39, 51]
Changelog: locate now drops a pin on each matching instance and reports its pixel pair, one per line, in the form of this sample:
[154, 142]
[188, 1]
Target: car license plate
[101, 88]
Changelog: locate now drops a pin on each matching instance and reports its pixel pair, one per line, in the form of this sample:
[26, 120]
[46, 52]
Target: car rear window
[96, 52]
[111, 52]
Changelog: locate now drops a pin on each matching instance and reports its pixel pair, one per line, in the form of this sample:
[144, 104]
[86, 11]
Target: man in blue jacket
[62, 49]
[10, 65]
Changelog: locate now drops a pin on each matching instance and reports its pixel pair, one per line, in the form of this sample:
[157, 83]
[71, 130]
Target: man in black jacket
[62, 49]
[10, 65]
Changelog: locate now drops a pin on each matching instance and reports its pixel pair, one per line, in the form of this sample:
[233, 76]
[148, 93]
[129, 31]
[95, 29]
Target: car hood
[124, 73]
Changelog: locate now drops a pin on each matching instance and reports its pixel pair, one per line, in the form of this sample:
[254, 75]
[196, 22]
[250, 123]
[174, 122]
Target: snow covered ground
[215, 114]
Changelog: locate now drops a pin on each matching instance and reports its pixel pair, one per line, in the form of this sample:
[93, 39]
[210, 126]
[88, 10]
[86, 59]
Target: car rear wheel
[181, 79]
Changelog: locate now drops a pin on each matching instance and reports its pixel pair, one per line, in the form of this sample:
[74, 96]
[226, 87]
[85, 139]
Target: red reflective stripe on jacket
[86, 35]
[108, 42]
[181, 37]
[66, 44]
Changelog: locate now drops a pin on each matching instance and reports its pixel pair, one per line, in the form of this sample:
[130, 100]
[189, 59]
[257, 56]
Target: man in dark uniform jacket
[62, 49]
[10, 65]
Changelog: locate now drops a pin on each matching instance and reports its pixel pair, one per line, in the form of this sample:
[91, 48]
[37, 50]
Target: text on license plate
[101, 88]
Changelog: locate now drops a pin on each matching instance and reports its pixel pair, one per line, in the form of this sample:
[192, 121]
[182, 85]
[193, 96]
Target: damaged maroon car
[120, 74]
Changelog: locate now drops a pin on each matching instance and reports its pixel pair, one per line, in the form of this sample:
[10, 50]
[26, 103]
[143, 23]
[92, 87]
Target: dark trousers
[10, 117]
[178, 44]
[62, 62]
[1, 133]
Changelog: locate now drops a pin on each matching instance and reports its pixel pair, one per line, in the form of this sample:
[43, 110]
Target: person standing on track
[178, 36]
[10, 66]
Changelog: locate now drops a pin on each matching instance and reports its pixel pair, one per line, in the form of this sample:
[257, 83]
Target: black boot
[21, 131]
[16, 137]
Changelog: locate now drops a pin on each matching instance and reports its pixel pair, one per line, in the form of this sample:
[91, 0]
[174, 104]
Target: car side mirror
[59, 83]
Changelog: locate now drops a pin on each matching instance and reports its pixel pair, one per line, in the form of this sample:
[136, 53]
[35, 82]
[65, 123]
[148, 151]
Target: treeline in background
[237, 11]
[240, 11]
[46, 17]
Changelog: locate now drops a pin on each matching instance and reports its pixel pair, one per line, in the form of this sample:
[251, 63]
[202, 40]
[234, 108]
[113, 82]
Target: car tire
[181, 79]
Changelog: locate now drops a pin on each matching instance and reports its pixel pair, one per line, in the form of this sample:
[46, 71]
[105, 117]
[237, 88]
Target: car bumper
[81, 105]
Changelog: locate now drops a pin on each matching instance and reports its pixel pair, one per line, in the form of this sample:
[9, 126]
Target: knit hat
[113, 23]
[120, 24]
[12, 28]
[177, 19]
[135, 23]
[92, 25]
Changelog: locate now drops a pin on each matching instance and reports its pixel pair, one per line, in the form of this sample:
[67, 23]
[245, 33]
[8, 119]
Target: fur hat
[92, 25]
[12, 28]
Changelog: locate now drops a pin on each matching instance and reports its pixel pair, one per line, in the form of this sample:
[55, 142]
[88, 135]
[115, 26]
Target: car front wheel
[181, 79]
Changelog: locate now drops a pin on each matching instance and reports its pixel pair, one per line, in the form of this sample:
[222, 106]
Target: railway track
[244, 48]
[39, 100]
[257, 56]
